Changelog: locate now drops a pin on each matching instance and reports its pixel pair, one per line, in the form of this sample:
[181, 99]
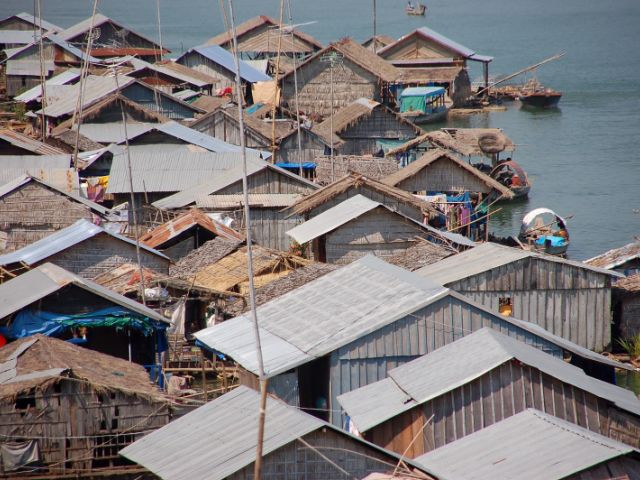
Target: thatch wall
[268, 180]
[378, 232]
[33, 211]
[373, 167]
[103, 253]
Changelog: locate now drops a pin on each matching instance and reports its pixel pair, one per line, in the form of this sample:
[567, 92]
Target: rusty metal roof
[27, 143]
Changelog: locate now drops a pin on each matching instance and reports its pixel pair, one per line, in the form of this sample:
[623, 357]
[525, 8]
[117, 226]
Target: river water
[582, 158]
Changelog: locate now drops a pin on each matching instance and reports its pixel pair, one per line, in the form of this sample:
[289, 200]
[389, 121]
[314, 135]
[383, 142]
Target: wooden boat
[418, 9]
[512, 175]
[424, 104]
[544, 230]
[533, 94]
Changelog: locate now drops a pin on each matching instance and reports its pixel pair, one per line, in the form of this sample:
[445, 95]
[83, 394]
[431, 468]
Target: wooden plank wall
[621, 468]
[225, 128]
[269, 181]
[103, 253]
[378, 232]
[573, 303]
[499, 394]
[162, 105]
[408, 210]
[630, 316]
[443, 175]
[369, 358]
[311, 148]
[34, 211]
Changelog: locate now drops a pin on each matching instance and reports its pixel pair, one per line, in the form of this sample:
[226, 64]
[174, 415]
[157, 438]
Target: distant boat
[424, 104]
[512, 175]
[418, 9]
[544, 230]
[534, 94]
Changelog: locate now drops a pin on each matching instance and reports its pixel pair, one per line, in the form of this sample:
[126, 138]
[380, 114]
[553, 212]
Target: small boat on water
[424, 104]
[512, 175]
[417, 9]
[534, 94]
[544, 230]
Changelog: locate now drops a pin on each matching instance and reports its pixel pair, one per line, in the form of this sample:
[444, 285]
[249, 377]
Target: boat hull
[422, 118]
[541, 100]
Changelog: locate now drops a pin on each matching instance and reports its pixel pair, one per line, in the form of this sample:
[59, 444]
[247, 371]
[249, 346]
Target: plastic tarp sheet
[413, 104]
[305, 165]
[27, 323]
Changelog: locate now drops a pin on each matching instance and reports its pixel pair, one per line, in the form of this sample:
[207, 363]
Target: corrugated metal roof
[23, 179]
[457, 364]
[528, 446]
[27, 17]
[168, 170]
[350, 209]
[17, 37]
[96, 88]
[225, 59]
[221, 437]
[64, 179]
[324, 314]
[181, 74]
[261, 200]
[31, 286]
[61, 240]
[34, 161]
[486, 257]
[27, 143]
[61, 79]
[229, 177]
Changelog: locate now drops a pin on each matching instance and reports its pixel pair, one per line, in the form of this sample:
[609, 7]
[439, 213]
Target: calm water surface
[583, 158]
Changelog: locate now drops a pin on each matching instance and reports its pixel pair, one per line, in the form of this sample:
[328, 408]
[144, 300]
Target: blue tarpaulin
[29, 322]
[305, 165]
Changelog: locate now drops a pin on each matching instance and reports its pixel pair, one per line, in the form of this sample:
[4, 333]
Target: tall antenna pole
[273, 107]
[159, 29]
[252, 293]
[332, 59]
[295, 85]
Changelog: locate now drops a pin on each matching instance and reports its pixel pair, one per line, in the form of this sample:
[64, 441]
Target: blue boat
[424, 104]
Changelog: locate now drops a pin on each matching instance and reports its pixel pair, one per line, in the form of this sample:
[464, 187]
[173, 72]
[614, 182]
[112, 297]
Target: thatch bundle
[491, 142]
[207, 254]
[472, 141]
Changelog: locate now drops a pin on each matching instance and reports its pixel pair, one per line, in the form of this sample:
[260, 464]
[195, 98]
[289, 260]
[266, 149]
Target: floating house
[31, 209]
[365, 127]
[358, 184]
[534, 445]
[219, 64]
[296, 445]
[55, 302]
[67, 410]
[358, 73]
[348, 328]
[425, 49]
[360, 226]
[261, 37]
[568, 298]
[439, 171]
[85, 249]
[259, 133]
[478, 381]
[185, 233]
[111, 39]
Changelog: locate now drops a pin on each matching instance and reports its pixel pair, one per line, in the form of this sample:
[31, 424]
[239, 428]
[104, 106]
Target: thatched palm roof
[616, 257]
[372, 167]
[379, 41]
[351, 115]
[302, 42]
[434, 155]
[629, 284]
[282, 285]
[420, 254]
[360, 56]
[207, 254]
[355, 181]
[470, 141]
[39, 362]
